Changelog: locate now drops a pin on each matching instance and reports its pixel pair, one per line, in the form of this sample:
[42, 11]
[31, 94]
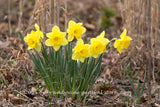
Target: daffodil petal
[48, 42]
[78, 37]
[116, 43]
[105, 41]
[49, 35]
[38, 48]
[70, 38]
[56, 48]
[25, 38]
[64, 42]
[32, 31]
[36, 26]
[63, 34]
[95, 56]
[92, 40]
[83, 30]
[123, 33]
[74, 56]
[82, 59]
[129, 38]
[71, 23]
[29, 48]
[80, 42]
[119, 50]
[101, 35]
[55, 28]
[79, 24]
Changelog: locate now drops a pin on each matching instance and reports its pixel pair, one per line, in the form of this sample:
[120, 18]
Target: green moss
[105, 22]
[108, 13]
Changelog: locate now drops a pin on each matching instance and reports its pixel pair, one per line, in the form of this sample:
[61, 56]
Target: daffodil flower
[56, 38]
[81, 51]
[33, 40]
[122, 43]
[98, 45]
[75, 29]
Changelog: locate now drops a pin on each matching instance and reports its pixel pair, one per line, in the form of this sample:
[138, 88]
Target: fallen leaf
[33, 90]
[90, 26]
[15, 100]
[67, 100]
[107, 75]
[4, 44]
[3, 27]
[144, 98]
[157, 105]
[107, 88]
[30, 95]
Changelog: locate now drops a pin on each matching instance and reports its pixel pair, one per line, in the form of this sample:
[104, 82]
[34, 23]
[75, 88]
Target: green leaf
[22, 40]
[144, 81]
[132, 85]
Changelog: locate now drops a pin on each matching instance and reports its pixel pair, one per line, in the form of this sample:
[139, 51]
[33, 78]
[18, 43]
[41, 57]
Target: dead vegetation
[18, 84]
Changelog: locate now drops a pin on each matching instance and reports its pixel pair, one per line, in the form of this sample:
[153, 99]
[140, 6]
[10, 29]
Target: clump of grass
[140, 88]
[3, 81]
[108, 13]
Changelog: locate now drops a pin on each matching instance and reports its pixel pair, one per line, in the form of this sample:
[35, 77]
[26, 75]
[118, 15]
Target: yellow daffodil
[38, 31]
[122, 43]
[33, 40]
[98, 45]
[81, 51]
[75, 29]
[56, 38]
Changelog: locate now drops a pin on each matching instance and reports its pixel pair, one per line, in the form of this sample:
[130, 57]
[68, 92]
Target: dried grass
[46, 14]
[134, 15]
[9, 17]
[141, 18]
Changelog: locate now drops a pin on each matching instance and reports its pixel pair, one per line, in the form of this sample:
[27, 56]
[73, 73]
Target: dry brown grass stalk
[9, 17]
[20, 14]
[46, 13]
[149, 50]
[66, 18]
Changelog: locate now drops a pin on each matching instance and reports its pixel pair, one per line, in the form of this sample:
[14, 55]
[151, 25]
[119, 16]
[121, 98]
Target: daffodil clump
[65, 68]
